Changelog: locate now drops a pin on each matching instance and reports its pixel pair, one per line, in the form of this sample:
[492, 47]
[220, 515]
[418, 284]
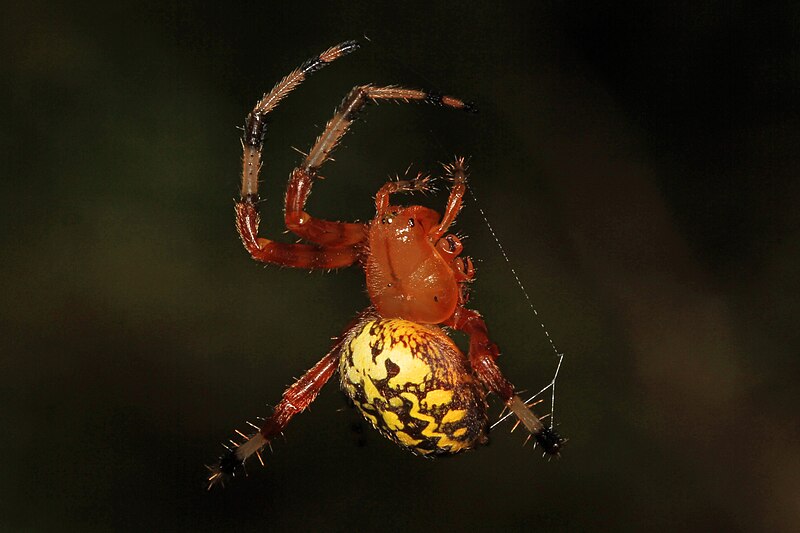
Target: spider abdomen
[413, 384]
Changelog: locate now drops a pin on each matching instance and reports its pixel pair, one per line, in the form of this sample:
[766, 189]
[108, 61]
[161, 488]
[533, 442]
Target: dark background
[638, 163]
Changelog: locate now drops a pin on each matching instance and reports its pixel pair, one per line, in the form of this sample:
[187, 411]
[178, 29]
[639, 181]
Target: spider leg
[449, 245]
[333, 253]
[354, 102]
[256, 125]
[313, 229]
[483, 355]
[294, 401]
[420, 183]
[286, 254]
[457, 172]
[343, 233]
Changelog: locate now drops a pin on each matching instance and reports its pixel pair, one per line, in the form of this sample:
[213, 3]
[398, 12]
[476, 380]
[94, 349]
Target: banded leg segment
[336, 252]
[354, 102]
[256, 125]
[341, 233]
[295, 400]
[483, 355]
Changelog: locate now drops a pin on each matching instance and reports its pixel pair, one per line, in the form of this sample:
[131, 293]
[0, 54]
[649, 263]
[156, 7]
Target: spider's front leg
[382, 198]
[325, 232]
[449, 245]
[483, 355]
[295, 400]
[332, 253]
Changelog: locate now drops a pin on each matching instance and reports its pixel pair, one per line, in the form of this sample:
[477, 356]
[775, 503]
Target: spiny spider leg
[313, 229]
[483, 355]
[457, 172]
[354, 102]
[256, 125]
[295, 400]
[420, 183]
[449, 245]
[338, 233]
[334, 253]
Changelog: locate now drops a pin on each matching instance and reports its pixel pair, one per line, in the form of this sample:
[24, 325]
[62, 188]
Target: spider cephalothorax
[399, 367]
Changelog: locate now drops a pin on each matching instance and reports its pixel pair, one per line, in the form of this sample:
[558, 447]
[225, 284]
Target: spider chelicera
[401, 370]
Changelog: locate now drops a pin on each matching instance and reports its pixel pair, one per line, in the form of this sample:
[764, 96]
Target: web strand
[552, 384]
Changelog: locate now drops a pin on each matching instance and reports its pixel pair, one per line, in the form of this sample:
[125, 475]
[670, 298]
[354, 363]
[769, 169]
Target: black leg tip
[470, 107]
[230, 465]
[227, 467]
[349, 46]
[550, 441]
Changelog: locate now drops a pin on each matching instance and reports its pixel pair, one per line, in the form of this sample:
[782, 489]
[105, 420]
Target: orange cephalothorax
[407, 277]
[413, 269]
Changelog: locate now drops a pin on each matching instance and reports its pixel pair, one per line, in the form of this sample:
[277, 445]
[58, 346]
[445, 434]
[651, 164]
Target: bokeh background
[638, 163]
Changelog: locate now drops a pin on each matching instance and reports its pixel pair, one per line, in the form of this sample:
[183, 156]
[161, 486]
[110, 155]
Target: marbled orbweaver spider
[401, 370]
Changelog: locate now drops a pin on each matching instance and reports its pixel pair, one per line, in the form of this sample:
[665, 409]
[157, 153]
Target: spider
[397, 365]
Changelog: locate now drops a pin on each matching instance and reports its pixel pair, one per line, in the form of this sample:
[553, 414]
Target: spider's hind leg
[545, 436]
[295, 400]
[483, 355]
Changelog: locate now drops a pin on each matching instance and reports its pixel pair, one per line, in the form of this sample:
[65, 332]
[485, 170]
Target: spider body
[401, 370]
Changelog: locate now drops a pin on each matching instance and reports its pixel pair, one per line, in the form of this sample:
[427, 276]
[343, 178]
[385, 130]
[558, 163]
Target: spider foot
[228, 466]
[457, 171]
[545, 436]
[422, 183]
[550, 441]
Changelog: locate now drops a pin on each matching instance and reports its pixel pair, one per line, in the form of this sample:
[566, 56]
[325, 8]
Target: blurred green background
[638, 162]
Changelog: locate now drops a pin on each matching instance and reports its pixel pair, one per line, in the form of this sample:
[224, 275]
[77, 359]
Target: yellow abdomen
[413, 384]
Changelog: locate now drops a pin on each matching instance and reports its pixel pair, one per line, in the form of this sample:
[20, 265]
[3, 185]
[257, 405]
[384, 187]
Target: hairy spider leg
[457, 172]
[256, 125]
[295, 400]
[288, 254]
[247, 217]
[343, 233]
[420, 183]
[317, 230]
[448, 244]
[483, 355]
[354, 102]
